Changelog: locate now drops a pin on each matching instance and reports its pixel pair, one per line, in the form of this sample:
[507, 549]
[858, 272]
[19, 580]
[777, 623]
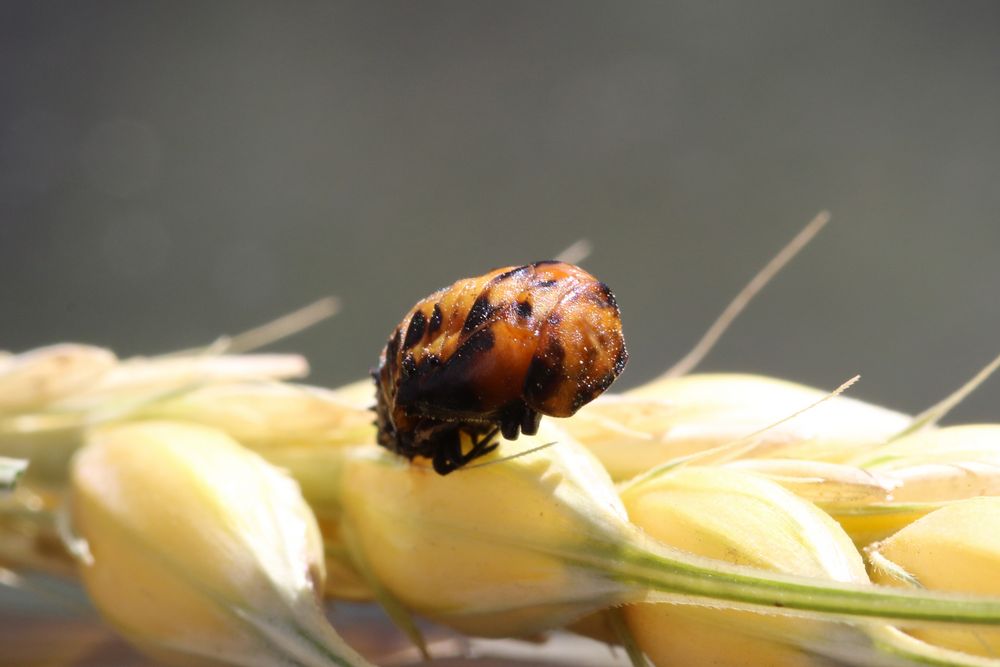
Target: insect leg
[530, 421]
[448, 454]
[481, 446]
[514, 418]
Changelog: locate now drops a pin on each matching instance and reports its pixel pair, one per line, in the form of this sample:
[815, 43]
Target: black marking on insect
[478, 314]
[414, 332]
[435, 323]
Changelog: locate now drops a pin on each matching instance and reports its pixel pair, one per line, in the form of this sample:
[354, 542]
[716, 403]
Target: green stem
[680, 574]
[637, 562]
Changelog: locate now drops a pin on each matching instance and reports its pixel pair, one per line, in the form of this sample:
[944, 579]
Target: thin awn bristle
[750, 442]
[734, 449]
[932, 415]
[510, 457]
[736, 306]
[284, 326]
[266, 334]
[502, 459]
[576, 252]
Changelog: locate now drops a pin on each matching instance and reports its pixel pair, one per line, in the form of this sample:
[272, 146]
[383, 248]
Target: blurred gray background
[173, 171]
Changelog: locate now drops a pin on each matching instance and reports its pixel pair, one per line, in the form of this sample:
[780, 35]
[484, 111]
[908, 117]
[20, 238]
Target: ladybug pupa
[490, 355]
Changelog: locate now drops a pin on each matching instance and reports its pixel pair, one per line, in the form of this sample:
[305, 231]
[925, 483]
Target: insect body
[492, 354]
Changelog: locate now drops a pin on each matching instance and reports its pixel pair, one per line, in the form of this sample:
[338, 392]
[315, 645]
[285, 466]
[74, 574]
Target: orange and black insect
[493, 354]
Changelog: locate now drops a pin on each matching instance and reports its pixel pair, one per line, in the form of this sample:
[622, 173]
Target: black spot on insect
[585, 393]
[545, 283]
[545, 262]
[524, 309]
[509, 274]
[435, 322]
[545, 373]
[608, 300]
[414, 332]
[414, 381]
[481, 341]
[446, 386]
[478, 314]
[409, 365]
